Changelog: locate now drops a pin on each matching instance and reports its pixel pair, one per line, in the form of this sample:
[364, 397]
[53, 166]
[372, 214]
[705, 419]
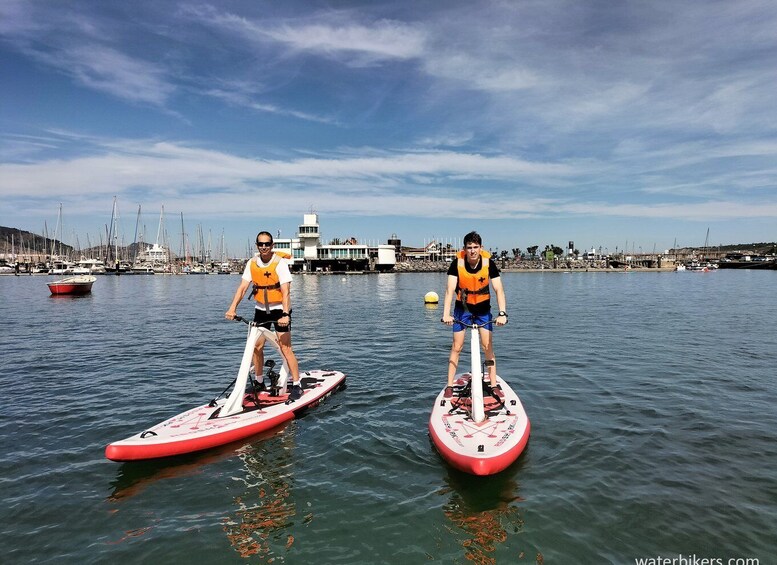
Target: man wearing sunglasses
[269, 273]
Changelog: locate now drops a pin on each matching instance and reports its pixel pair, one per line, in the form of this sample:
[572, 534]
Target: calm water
[652, 399]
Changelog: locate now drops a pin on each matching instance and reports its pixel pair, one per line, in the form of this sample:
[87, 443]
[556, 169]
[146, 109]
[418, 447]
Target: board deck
[485, 448]
[203, 428]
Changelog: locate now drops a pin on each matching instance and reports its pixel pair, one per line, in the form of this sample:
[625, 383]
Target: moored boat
[39, 269]
[90, 267]
[143, 269]
[761, 263]
[73, 285]
[61, 267]
[698, 267]
[196, 269]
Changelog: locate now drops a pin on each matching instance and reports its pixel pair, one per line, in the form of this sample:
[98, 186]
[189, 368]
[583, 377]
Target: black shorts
[267, 320]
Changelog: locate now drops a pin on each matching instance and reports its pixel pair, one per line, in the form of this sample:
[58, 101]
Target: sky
[625, 124]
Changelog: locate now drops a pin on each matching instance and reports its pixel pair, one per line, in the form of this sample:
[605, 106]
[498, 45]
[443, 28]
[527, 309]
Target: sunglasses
[264, 243]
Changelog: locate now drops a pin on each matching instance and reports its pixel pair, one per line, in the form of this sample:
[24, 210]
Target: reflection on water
[385, 287]
[134, 477]
[69, 297]
[484, 514]
[308, 313]
[265, 509]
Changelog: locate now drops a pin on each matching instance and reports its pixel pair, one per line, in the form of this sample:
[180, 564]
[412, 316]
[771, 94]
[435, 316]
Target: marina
[308, 253]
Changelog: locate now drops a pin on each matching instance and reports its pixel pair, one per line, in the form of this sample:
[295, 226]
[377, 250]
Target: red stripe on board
[480, 465]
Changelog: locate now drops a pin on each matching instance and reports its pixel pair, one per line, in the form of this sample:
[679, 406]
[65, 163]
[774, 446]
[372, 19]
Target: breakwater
[529, 266]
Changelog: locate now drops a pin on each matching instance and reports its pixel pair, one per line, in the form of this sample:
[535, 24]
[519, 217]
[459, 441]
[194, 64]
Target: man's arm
[239, 293]
[450, 292]
[500, 300]
[286, 302]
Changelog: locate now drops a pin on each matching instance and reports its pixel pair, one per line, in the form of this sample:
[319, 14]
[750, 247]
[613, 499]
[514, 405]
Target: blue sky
[534, 122]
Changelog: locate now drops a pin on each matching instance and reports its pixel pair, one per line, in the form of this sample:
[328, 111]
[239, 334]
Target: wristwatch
[502, 313]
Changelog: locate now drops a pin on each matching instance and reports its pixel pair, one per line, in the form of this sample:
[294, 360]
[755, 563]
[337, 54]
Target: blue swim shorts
[483, 320]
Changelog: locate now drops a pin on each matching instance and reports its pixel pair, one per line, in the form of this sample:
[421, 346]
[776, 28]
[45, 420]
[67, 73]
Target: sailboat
[703, 265]
[155, 258]
[113, 263]
[60, 263]
[225, 267]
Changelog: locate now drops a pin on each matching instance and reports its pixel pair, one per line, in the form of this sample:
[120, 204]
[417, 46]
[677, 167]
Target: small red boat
[81, 284]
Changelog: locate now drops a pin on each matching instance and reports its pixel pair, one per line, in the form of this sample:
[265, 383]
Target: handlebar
[254, 324]
[473, 326]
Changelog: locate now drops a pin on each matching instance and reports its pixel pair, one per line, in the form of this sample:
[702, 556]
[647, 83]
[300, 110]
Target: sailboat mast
[183, 238]
[135, 242]
[161, 221]
[54, 241]
[114, 228]
[109, 235]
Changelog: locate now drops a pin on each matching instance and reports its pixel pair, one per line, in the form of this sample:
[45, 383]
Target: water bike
[248, 410]
[477, 430]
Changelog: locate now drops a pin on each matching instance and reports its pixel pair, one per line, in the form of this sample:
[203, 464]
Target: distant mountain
[23, 242]
[27, 242]
[756, 248]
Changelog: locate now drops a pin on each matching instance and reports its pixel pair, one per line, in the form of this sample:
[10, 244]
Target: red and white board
[481, 448]
[204, 427]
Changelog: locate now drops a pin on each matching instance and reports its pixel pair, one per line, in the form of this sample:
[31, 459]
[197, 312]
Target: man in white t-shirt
[269, 273]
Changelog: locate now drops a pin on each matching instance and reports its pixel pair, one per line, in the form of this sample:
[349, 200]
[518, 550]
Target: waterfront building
[308, 254]
[433, 251]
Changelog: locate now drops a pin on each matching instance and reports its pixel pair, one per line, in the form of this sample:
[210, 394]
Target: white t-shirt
[284, 276]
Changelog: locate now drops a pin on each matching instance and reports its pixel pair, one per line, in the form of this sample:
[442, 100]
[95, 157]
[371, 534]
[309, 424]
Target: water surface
[651, 397]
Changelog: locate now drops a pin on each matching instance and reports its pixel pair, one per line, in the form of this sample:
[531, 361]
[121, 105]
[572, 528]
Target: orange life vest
[472, 288]
[266, 280]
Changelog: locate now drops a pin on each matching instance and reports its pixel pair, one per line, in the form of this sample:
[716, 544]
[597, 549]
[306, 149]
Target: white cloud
[235, 95]
[446, 140]
[110, 71]
[383, 40]
[480, 73]
[77, 46]
[169, 166]
[329, 35]
[431, 184]
[709, 210]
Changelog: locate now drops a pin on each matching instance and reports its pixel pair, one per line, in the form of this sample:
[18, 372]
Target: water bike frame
[234, 403]
[477, 413]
